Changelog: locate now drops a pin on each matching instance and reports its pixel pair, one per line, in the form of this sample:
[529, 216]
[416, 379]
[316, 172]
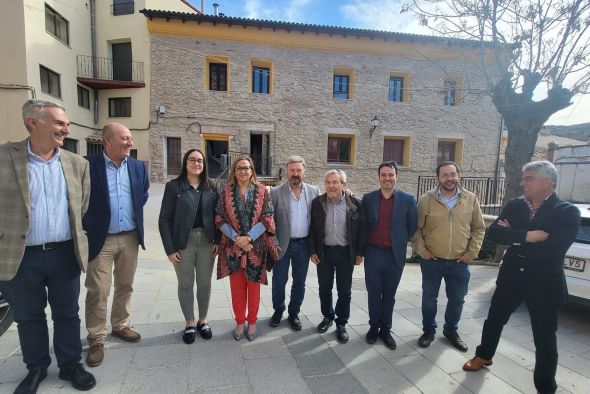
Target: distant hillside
[579, 132]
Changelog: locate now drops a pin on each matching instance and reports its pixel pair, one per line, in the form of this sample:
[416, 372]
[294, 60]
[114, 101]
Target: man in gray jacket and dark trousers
[292, 203]
[334, 242]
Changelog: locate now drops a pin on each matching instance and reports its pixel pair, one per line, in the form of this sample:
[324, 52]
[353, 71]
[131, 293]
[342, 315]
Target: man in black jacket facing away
[539, 228]
[334, 239]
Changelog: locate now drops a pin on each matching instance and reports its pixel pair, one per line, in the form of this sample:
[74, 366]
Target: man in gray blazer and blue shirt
[292, 213]
[44, 193]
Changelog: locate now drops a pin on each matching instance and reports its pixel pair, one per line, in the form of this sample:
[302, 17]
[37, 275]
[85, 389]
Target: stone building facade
[302, 112]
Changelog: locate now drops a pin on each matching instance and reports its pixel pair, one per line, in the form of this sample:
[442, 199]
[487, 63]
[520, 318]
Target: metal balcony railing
[109, 69]
[123, 8]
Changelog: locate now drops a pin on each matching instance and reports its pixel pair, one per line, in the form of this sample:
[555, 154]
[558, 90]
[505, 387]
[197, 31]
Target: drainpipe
[93, 51]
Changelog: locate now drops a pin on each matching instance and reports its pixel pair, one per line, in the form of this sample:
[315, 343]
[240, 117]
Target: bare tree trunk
[519, 151]
[523, 118]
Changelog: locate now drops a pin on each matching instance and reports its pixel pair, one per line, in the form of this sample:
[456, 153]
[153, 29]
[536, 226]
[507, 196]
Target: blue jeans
[456, 276]
[298, 255]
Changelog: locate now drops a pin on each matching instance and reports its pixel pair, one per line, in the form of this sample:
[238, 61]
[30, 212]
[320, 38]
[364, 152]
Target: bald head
[118, 141]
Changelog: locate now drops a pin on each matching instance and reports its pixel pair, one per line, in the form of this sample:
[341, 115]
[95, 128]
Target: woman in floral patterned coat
[244, 214]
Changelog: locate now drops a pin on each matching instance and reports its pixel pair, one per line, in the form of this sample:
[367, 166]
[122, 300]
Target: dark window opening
[122, 61]
[120, 107]
[57, 25]
[83, 97]
[218, 76]
[173, 156]
[393, 150]
[50, 83]
[123, 7]
[339, 149]
[446, 151]
[70, 145]
[93, 148]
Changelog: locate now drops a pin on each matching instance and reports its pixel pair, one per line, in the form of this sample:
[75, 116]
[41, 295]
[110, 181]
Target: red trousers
[244, 291]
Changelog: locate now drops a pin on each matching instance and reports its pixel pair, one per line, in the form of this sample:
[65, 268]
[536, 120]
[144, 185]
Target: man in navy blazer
[390, 220]
[114, 224]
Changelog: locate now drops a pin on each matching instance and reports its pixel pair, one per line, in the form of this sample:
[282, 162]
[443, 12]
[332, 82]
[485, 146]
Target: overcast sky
[365, 14]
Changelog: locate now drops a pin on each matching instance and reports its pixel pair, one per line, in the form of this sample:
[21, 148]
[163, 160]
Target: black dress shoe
[341, 333]
[426, 339]
[189, 335]
[275, 320]
[31, 382]
[388, 339]
[80, 378]
[205, 330]
[456, 341]
[372, 335]
[295, 322]
[325, 324]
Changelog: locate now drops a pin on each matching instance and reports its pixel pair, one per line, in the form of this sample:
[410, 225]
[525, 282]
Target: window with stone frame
[261, 80]
[218, 76]
[396, 89]
[446, 151]
[393, 150]
[340, 149]
[341, 87]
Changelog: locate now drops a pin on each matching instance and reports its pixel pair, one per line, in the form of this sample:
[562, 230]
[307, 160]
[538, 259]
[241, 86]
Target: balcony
[122, 8]
[105, 73]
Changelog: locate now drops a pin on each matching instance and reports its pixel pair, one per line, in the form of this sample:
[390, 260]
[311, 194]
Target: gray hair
[338, 172]
[544, 168]
[295, 159]
[35, 108]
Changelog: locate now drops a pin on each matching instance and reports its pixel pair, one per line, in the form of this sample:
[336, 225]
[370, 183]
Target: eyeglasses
[243, 169]
[449, 175]
[192, 160]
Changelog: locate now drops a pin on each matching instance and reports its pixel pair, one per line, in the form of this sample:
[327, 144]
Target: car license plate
[574, 264]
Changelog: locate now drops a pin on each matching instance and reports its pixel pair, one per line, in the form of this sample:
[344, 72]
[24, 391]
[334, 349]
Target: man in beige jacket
[449, 236]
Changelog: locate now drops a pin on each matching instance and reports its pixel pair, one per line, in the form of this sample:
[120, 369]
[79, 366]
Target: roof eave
[291, 26]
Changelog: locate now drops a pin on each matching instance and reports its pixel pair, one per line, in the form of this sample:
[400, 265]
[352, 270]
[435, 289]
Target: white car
[577, 261]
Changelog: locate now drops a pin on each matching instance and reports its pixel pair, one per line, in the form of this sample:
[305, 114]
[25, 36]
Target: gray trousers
[197, 261]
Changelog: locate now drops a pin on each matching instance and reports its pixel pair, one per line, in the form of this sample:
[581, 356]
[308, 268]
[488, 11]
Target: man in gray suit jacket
[292, 205]
[44, 193]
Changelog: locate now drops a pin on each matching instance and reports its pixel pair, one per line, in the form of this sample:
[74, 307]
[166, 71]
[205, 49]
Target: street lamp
[374, 124]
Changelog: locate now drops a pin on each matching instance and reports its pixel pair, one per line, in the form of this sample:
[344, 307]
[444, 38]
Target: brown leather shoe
[95, 355]
[476, 363]
[127, 334]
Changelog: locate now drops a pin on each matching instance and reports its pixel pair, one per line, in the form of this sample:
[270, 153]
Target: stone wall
[300, 113]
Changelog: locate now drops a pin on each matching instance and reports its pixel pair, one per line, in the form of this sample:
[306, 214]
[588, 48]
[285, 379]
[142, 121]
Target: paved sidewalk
[282, 360]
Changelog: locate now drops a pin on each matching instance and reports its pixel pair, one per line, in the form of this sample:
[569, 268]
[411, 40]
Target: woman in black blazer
[190, 238]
